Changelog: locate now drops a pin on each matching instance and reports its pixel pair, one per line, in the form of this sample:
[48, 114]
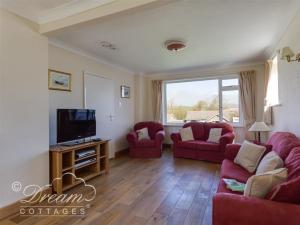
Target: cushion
[214, 135]
[283, 143]
[199, 145]
[270, 162]
[231, 170]
[292, 163]
[146, 143]
[249, 156]
[260, 185]
[286, 192]
[186, 134]
[143, 134]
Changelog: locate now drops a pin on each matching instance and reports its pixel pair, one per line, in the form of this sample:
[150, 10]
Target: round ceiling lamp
[174, 45]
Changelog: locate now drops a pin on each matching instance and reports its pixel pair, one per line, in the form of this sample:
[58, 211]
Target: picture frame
[125, 91]
[58, 80]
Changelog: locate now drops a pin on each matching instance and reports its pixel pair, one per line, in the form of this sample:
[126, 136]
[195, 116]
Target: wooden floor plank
[165, 191]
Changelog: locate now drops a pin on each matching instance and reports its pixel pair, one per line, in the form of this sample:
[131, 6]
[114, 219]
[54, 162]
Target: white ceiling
[217, 32]
[43, 11]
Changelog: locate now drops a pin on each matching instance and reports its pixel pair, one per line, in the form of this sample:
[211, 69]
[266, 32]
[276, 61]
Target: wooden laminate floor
[163, 191]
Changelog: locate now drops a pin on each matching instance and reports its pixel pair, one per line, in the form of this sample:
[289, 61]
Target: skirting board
[14, 207]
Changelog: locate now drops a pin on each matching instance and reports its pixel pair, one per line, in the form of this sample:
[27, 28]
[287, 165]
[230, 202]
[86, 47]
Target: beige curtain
[267, 109]
[157, 100]
[247, 90]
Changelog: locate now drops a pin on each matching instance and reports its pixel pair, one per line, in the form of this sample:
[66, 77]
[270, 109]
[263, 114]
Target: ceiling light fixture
[175, 45]
[106, 44]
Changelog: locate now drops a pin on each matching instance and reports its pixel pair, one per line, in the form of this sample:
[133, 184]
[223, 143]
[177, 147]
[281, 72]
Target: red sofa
[146, 148]
[232, 208]
[199, 148]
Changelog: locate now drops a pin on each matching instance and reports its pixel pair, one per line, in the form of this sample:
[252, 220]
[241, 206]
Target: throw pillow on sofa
[249, 156]
[270, 161]
[186, 134]
[260, 185]
[143, 134]
[214, 135]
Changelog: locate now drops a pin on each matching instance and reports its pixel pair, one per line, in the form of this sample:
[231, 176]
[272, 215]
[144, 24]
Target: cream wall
[286, 116]
[24, 106]
[240, 131]
[67, 61]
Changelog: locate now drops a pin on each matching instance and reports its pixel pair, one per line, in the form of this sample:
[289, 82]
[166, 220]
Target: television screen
[73, 124]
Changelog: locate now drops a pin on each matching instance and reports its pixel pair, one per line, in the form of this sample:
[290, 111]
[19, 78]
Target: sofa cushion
[143, 134]
[226, 128]
[145, 143]
[286, 192]
[231, 170]
[199, 145]
[260, 185]
[283, 143]
[186, 134]
[214, 135]
[292, 163]
[249, 156]
[270, 161]
[197, 128]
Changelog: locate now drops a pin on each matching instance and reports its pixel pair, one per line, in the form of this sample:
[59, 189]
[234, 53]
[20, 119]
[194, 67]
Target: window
[202, 100]
[272, 97]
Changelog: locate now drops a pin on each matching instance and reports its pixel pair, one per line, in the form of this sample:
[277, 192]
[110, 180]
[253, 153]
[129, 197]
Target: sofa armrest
[231, 151]
[159, 137]
[132, 137]
[175, 137]
[226, 139]
[231, 209]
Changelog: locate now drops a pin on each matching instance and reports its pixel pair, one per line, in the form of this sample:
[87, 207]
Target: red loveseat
[232, 208]
[199, 148]
[146, 148]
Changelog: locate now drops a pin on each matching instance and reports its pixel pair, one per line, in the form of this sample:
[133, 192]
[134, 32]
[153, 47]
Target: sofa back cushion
[283, 143]
[289, 190]
[286, 192]
[292, 163]
[226, 128]
[153, 127]
[197, 128]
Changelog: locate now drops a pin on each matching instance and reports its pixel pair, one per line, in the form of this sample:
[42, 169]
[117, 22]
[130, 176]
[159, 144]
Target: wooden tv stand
[63, 161]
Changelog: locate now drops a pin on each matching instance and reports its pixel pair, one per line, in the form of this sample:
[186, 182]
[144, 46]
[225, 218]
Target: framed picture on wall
[58, 80]
[125, 92]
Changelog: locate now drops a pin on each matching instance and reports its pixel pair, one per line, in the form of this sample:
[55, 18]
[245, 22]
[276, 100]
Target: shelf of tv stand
[63, 160]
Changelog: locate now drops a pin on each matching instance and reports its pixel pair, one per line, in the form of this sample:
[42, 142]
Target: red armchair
[231, 208]
[146, 148]
[199, 148]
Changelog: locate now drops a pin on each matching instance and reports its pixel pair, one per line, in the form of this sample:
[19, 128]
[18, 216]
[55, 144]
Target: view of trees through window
[200, 101]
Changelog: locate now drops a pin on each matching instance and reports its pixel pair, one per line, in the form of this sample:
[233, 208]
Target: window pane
[230, 82]
[231, 111]
[194, 100]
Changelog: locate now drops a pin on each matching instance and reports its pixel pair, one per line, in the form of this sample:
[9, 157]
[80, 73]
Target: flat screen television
[74, 124]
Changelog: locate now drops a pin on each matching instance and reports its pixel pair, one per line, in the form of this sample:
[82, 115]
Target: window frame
[221, 89]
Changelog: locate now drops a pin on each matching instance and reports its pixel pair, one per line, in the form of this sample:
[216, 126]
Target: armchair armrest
[159, 137]
[132, 137]
[231, 209]
[175, 137]
[226, 139]
[231, 151]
